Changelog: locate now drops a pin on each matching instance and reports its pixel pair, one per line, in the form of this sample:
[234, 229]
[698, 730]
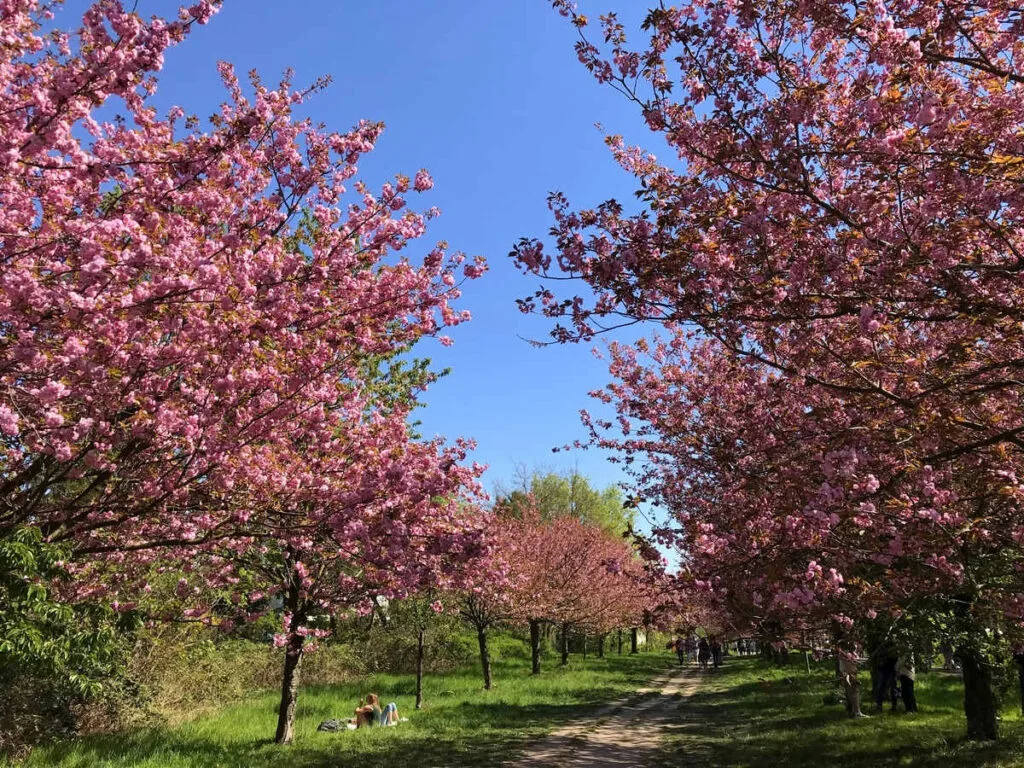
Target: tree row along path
[625, 733]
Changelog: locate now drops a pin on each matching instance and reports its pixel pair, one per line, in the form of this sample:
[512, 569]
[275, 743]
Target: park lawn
[460, 725]
[752, 714]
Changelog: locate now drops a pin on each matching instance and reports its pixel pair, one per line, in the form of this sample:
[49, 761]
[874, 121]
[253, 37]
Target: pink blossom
[8, 421]
[422, 181]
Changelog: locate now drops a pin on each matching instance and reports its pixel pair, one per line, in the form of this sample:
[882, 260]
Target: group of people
[892, 669]
[894, 680]
[703, 651]
[747, 647]
[369, 713]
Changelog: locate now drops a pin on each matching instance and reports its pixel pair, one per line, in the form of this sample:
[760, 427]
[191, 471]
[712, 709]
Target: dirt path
[627, 733]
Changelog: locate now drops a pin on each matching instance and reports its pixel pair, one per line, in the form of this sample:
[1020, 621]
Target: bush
[54, 657]
[509, 645]
[168, 673]
[182, 669]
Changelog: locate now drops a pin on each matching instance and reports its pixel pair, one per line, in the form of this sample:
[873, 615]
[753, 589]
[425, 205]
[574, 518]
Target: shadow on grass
[778, 718]
[467, 727]
[463, 735]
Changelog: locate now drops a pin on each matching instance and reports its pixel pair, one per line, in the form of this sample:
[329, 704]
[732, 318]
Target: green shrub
[182, 669]
[55, 657]
[509, 645]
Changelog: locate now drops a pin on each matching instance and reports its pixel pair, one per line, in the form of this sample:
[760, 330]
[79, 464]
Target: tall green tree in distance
[570, 494]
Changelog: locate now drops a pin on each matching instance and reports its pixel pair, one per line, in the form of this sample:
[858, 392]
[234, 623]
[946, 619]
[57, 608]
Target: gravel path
[627, 733]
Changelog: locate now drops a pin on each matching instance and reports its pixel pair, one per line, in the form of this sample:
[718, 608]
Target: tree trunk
[584, 645]
[565, 643]
[419, 667]
[875, 660]
[600, 651]
[1019, 658]
[289, 690]
[620, 642]
[485, 657]
[535, 645]
[634, 640]
[807, 660]
[979, 699]
[292, 660]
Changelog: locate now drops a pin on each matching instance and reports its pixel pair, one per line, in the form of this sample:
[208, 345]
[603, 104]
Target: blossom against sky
[490, 99]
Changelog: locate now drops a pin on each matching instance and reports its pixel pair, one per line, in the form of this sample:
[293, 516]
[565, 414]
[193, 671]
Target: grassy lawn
[461, 724]
[749, 715]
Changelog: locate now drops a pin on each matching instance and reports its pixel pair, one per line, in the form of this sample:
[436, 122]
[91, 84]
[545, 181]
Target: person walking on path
[680, 649]
[703, 653]
[716, 653]
[905, 670]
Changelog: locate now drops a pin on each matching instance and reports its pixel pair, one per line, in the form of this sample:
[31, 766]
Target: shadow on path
[627, 733]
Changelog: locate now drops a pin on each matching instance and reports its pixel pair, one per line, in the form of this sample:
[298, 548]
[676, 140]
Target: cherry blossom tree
[190, 316]
[389, 529]
[185, 312]
[840, 215]
[564, 572]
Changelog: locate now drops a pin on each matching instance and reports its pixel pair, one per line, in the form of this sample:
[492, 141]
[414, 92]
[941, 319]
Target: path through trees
[626, 733]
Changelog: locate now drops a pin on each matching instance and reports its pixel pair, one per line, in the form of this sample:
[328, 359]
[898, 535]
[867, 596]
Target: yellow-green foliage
[182, 670]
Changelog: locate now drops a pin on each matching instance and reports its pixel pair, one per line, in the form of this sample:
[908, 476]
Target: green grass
[747, 715]
[461, 724]
[738, 720]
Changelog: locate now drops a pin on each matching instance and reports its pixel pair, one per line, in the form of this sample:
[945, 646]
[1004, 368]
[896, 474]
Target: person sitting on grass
[370, 714]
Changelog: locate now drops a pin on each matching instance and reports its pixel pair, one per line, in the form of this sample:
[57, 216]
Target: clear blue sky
[489, 97]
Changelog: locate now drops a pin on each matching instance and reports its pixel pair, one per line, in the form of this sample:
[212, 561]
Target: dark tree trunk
[584, 645]
[535, 645]
[979, 699]
[634, 640]
[600, 649]
[292, 661]
[419, 667]
[620, 642]
[485, 657]
[565, 643]
[289, 690]
[875, 660]
[1019, 658]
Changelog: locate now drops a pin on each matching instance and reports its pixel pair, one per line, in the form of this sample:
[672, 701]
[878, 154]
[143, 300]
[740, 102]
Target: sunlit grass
[461, 724]
[752, 714]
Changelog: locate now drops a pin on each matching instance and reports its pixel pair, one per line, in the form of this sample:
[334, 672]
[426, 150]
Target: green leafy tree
[52, 653]
[571, 494]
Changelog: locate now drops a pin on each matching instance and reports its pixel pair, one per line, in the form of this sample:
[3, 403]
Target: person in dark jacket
[885, 685]
[716, 652]
[703, 653]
